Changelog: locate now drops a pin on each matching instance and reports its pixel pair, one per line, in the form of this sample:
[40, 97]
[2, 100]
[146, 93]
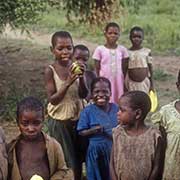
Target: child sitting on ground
[136, 147]
[34, 152]
[3, 157]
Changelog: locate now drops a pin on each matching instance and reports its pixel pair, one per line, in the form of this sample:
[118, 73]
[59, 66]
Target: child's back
[3, 157]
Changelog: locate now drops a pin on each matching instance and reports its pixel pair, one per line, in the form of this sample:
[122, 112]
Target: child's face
[30, 124]
[136, 38]
[126, 115]
[63, 49]
[81, 55]
[112, 35]
[101, 94]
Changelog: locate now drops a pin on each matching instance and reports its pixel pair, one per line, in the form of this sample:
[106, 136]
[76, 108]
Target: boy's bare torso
[32, 158]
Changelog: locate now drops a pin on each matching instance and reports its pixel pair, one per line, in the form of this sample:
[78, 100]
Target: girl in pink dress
[111, 60]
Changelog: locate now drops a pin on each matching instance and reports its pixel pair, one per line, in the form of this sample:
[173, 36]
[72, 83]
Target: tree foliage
[133, 6]
[20, 13]
[92, 12]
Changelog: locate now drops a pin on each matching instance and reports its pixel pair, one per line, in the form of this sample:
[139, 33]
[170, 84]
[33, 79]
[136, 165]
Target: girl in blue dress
[96, 122]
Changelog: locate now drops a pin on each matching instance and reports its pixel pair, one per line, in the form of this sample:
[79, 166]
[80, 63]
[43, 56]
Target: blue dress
[99, 149]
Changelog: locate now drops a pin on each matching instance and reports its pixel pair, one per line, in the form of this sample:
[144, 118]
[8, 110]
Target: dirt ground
[22, 70]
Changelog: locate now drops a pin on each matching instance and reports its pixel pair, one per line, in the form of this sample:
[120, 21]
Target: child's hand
[71, 79]
[78, 68]
[98, 128]
[151, 88]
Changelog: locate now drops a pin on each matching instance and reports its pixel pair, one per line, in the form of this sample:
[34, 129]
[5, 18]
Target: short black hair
[81, 47]
[98, 79]
[139, 100]
[29, 103]
[111, 24]
[136, 28]
[60, 34]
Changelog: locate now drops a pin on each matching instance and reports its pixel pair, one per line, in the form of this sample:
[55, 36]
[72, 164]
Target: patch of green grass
[159, 19]
[161, 75]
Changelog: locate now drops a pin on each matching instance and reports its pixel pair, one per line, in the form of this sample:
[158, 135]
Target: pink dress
[111, 68]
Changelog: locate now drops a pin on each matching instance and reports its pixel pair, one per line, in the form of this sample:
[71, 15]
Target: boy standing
[34, 152]
[81, 54]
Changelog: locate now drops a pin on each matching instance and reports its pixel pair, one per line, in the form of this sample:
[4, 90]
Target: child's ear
[178, 86]
[51, 49]
[138, 113]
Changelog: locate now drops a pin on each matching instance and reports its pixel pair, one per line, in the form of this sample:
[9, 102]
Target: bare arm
[125, 62]
[97, 67]
[157, 166]
[90, 76]
[151, 73]
[83, 91]
[91, 131]
[55, 96]
[151, 76]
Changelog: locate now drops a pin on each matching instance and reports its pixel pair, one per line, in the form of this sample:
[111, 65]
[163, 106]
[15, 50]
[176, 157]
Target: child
[169, 118]
[139, 74]
[64, 89]
[136, 147]
[81, 53]
[34, 152]
[3, 157]
[96, 122]
[110, 60]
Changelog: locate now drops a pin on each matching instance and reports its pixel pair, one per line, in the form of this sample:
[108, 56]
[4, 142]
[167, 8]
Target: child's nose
[101, 93]
[31, 128]
[65, 50]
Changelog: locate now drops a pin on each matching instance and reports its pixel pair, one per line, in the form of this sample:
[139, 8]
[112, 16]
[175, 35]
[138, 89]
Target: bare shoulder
[48, 69]
[48, 73]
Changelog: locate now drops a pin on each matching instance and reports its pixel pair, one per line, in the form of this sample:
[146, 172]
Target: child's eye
[95, 92]
[69, 48]
[36, 123]
[25, 123]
